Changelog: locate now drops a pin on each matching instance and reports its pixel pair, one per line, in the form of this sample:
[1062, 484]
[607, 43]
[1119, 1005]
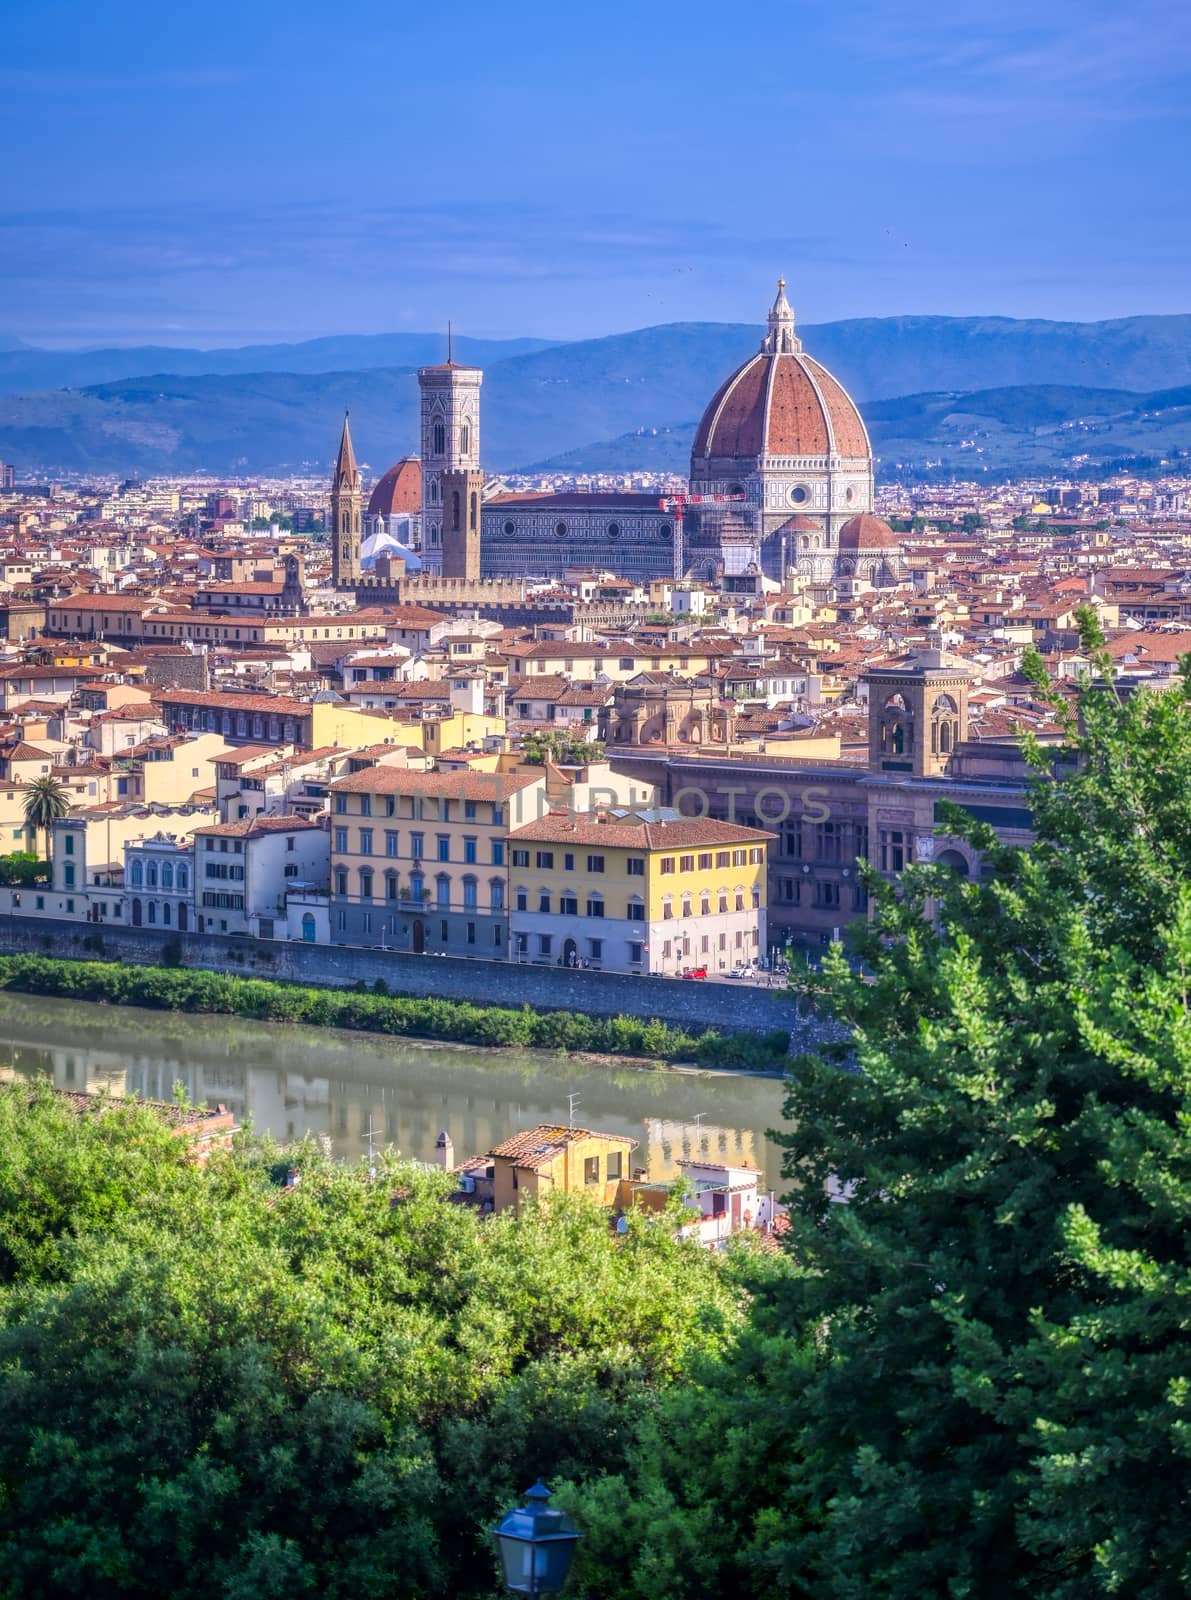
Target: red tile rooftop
[616, 833]
[537, 1147]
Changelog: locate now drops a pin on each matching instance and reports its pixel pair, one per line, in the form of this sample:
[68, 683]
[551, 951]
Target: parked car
[694, 972]
[743, 972]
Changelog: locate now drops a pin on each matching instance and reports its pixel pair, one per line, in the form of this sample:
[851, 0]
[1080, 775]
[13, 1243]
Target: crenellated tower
[347, 515]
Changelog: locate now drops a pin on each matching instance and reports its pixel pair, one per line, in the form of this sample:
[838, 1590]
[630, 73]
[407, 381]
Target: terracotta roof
[574, 500]
[448, 785]
[399, 492]
[688, 832]
[274, 704]
[102, 602]
[537, 1147]
[780, 403]
[251, 827]
[866, 532]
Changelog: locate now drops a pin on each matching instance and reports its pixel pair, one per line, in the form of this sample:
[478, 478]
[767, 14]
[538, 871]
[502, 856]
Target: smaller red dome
[866, 532]
[399, 492]
[801, 524]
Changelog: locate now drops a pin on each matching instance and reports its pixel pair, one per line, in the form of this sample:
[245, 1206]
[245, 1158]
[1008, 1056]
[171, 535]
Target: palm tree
[46, 799]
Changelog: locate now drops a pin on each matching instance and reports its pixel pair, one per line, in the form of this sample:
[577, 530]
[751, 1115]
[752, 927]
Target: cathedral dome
[780, 403]
[399, 492]
[867, 532]
[801, 525]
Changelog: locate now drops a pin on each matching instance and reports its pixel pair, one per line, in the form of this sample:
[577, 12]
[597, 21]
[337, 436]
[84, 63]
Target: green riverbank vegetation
[197, 990]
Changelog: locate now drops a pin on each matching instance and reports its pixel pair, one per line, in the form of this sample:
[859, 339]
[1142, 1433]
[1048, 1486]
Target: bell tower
[917, 714]
[452, 483]
[346, 516]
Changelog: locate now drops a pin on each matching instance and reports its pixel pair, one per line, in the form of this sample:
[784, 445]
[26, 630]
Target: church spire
[346, 515]
[346, 472]
[781, 336]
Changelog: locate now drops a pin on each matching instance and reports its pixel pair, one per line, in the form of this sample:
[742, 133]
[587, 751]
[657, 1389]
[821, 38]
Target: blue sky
[262, 171]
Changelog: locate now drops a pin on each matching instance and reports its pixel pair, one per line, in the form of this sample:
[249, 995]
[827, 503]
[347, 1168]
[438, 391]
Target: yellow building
[637, 891]
[168, 770]
[418, 859]
[552, 1160]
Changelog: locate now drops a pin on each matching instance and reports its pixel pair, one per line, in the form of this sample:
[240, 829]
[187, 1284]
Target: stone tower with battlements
[347, 520]
[452, 483]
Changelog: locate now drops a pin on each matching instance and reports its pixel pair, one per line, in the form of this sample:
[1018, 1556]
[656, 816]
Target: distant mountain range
[23, 368]
[1020, 431]
[940, 394]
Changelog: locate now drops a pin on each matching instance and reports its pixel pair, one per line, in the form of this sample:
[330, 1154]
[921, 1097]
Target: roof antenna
[449, 347]
[572, 1101]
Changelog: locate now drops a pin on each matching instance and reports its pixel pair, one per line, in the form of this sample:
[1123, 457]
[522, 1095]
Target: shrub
[195, 989]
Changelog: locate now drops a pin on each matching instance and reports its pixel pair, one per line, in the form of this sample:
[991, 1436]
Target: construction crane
[676, 504]
[679, 502]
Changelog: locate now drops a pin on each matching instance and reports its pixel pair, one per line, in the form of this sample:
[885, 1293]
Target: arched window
[167, 875]
[465, 438]
[440, 439]
[434, 491]
[896, 726]
[183, 877]
[308, 928]
[152, 910]
[456, 524]
[151, 875]
[138, 874]
[496, 894]
[165, 912]
[473, 513]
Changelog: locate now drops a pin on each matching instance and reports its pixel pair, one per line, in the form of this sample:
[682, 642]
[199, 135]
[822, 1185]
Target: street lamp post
[536, 1545]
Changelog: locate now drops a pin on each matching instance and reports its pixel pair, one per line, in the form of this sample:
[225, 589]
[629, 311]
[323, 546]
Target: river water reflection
[291, 1081]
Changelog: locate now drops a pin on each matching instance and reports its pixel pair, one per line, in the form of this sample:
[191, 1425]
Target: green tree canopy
[212, 1386]
[561, 747]
[999, 1402]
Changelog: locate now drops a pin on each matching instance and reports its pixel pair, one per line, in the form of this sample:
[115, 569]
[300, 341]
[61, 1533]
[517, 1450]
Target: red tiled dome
[399, 492]
[780, 403]
[866, 532]
[801, 524]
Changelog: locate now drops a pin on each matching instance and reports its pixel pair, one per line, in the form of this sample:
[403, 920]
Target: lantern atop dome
[781, 337]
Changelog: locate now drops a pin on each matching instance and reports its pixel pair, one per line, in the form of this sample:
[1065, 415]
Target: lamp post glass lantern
[536, 1545]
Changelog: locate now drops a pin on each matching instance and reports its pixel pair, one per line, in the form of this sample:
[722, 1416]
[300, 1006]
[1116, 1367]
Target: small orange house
[554, 1160]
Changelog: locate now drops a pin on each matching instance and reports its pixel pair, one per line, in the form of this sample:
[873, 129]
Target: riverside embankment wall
[690, 1004]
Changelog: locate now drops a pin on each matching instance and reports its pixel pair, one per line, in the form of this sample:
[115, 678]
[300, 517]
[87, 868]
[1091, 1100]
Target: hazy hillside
[550, 404]
[1010, 430]
[23, 368]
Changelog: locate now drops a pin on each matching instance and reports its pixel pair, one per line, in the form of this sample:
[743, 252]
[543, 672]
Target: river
[291, 1081]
